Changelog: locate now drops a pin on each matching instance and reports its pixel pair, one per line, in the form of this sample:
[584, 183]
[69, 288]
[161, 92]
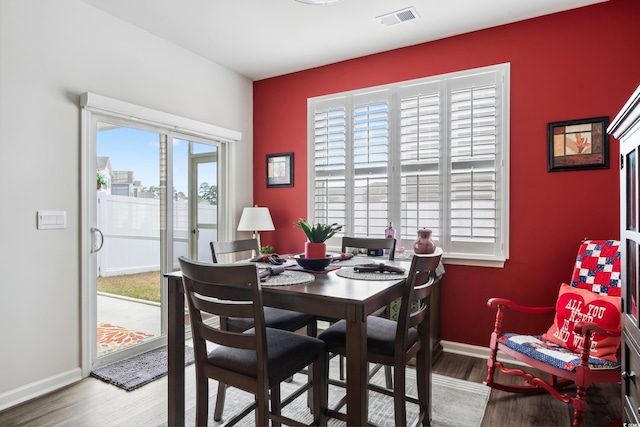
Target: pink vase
[424, 244]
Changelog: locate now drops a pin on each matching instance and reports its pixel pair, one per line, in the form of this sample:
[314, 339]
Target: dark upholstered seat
[381, 335]
[287, 353]
[256, 361]
[276, 318]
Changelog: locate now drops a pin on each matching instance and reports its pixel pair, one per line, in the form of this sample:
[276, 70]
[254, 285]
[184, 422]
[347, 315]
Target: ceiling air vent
[399, 16]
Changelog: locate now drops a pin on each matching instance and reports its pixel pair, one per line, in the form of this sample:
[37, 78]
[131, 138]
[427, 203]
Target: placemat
[289, 278]
[349, 273]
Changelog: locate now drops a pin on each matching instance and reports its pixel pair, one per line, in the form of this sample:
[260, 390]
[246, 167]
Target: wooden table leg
[175, 353]
[357, 370]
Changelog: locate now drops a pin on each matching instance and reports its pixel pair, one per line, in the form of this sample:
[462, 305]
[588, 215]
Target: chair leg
[341, 360]
[312, 329]
[320, 388]
[202, 400]
[388, 378]
[222, 391]
[423, 378]
[399, 397]
[579, 405]
[276, 404]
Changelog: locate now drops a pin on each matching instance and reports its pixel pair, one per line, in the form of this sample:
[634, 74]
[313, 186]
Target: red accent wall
[576, 64]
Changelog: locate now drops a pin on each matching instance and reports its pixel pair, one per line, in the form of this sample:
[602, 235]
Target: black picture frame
[279, 170]
[578, 144]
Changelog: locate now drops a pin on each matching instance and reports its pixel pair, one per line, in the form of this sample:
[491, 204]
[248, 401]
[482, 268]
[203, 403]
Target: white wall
[50, 52]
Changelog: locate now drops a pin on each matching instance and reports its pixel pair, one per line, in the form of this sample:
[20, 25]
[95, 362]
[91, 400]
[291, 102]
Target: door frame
[96, 106]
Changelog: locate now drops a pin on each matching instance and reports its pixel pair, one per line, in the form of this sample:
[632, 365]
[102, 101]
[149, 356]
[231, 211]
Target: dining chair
[258, 359]
[234, 247]
[395, 342]
[274, 317]
[370, 243]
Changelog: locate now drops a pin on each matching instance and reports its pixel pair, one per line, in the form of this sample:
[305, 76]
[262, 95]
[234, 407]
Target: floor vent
[404, 15]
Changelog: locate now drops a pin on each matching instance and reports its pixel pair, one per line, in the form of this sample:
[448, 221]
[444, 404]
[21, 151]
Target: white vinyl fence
[131, 229]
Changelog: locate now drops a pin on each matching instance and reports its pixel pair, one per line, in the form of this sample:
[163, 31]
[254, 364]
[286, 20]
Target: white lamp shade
[255, 219]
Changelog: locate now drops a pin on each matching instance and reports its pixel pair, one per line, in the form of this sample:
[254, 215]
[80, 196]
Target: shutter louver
[330, 154]
[370, 161]
[473, 164]
[420, 188]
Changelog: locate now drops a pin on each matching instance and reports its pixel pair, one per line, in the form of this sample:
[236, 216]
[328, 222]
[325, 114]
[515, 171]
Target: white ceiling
[266, 38]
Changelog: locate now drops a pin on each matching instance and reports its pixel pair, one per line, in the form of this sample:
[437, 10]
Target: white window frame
[492, 254]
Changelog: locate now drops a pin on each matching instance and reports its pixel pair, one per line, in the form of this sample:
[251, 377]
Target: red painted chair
[583, 344]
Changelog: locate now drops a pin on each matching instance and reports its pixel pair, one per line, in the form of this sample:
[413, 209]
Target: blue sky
[138, 151]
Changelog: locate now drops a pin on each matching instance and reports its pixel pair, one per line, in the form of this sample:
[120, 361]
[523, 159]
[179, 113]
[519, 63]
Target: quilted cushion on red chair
[552, 354]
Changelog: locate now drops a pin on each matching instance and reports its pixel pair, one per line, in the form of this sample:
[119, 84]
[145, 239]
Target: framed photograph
[578, 144]
[280, 170]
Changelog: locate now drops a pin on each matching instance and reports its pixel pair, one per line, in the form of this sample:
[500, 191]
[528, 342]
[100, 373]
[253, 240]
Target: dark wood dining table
[329, 296]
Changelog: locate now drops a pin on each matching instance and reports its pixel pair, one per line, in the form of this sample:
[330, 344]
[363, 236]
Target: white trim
[114, 107]
[36, 389]
[476, 351]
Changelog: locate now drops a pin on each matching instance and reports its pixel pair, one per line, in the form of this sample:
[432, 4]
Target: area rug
[136, 371]
[113, 338]
[454, 402]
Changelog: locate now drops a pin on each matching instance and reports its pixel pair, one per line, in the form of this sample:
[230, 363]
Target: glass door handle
[95, 231]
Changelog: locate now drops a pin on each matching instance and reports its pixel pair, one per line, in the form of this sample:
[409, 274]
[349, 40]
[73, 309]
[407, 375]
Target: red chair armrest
[496, 302]
[584, 328]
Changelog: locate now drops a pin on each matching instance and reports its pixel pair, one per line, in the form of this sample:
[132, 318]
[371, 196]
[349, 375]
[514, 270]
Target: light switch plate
[50, 220]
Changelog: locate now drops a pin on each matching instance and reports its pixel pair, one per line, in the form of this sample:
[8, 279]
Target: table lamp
[256, 219]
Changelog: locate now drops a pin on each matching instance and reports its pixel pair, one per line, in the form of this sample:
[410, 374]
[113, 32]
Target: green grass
[144, 286]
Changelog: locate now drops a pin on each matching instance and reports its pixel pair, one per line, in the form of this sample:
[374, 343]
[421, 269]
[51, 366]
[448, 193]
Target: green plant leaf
[318, 233]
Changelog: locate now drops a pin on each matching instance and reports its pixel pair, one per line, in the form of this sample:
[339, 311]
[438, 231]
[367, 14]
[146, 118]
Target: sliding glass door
[156, 199]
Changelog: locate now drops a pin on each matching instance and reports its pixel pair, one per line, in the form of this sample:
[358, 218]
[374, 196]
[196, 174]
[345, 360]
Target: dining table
[326, 294]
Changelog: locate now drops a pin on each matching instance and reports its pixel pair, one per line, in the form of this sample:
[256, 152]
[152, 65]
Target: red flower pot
[315, 250]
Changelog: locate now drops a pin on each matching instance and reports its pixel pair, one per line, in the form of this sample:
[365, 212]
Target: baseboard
[39, 388]
[476, 351]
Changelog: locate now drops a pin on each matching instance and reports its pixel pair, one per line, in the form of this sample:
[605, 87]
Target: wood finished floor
[94, 403]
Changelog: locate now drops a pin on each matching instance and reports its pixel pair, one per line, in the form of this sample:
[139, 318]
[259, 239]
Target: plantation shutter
[330, 146]
[474, 130]
[428, 153]
[370, 164]
[420, 151]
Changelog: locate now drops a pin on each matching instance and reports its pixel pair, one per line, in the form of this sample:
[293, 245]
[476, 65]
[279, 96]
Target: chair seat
[381, 335]
[274, 318]
[281, 346]
[550, 353]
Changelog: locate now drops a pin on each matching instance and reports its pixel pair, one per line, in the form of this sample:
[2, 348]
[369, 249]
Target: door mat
[113, 338]
[136, 371]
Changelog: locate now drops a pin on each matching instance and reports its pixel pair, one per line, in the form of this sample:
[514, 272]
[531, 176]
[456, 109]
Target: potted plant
[102, 181]
[266, 250]
[317, 235]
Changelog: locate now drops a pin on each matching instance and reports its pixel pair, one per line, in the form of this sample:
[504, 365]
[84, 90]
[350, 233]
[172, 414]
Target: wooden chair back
[223, 290]
[416, 299]
[233, 246]
[370, 243]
